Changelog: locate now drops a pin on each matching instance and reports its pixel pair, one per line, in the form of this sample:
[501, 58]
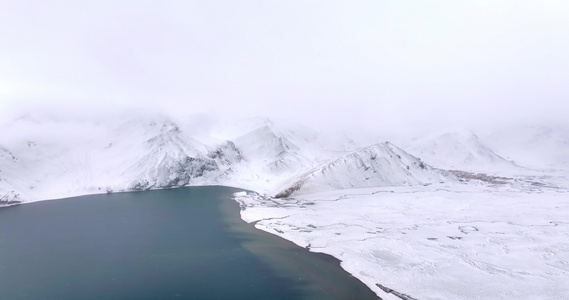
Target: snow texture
[435, 242]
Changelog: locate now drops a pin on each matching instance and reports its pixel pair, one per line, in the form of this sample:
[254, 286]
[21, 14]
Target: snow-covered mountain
[45, 157]
[169, 158]
[533, 146]
[143, 152]
[275, 153]
[461, 150]
[62, 157]
[382, 164]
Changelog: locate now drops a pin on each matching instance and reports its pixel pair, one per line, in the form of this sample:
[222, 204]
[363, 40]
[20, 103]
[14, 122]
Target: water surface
[184, 243]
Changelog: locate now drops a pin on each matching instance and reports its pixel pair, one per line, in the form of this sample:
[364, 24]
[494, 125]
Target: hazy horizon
[397, 66]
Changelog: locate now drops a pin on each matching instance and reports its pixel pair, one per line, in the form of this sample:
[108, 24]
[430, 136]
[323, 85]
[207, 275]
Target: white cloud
[360, 63]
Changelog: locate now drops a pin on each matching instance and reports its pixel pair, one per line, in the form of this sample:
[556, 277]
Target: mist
[393, 67]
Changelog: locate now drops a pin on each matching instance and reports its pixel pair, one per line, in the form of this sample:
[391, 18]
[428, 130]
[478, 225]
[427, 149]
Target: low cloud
[387, 66]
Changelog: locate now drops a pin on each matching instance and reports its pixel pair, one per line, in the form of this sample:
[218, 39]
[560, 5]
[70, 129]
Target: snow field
[461, 242]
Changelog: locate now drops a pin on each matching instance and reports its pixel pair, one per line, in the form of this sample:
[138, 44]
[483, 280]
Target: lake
[186, 243]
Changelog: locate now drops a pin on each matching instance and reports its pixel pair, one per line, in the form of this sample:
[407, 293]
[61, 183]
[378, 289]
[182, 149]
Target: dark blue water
[170, 244]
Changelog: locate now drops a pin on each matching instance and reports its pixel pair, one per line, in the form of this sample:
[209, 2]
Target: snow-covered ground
[469, 241]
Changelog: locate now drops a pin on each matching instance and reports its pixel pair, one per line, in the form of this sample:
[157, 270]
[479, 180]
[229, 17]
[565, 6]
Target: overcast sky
[390, 64]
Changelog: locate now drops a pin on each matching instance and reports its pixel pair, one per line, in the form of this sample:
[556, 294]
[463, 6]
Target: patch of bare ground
[467, 176]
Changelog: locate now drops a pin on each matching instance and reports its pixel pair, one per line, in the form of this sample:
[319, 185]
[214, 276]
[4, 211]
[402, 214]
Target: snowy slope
[8, 162]
[66, 158]
[461, 150]
[165, 156]
[276, 153]
[382, 164]
[534, 146]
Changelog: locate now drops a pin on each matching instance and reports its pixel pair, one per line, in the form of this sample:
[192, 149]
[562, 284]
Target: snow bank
[456, 242]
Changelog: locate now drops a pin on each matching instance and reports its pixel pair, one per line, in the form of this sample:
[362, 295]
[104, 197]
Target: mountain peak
[382, 164]
[461, 150]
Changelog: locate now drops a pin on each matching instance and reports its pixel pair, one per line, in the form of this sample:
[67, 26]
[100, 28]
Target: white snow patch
[456, 242]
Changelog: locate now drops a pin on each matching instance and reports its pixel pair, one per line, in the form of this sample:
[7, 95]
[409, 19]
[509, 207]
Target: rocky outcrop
[226, 154]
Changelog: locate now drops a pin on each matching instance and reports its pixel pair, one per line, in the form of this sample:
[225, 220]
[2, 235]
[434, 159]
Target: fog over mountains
[46, 157]
[459, 150]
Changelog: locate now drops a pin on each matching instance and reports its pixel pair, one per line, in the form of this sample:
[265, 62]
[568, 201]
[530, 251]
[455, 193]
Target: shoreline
[352, 265]
[417, 243]
[314, 264]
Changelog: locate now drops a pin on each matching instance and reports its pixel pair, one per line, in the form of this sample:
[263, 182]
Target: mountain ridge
[382, 164]
[57, 158]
